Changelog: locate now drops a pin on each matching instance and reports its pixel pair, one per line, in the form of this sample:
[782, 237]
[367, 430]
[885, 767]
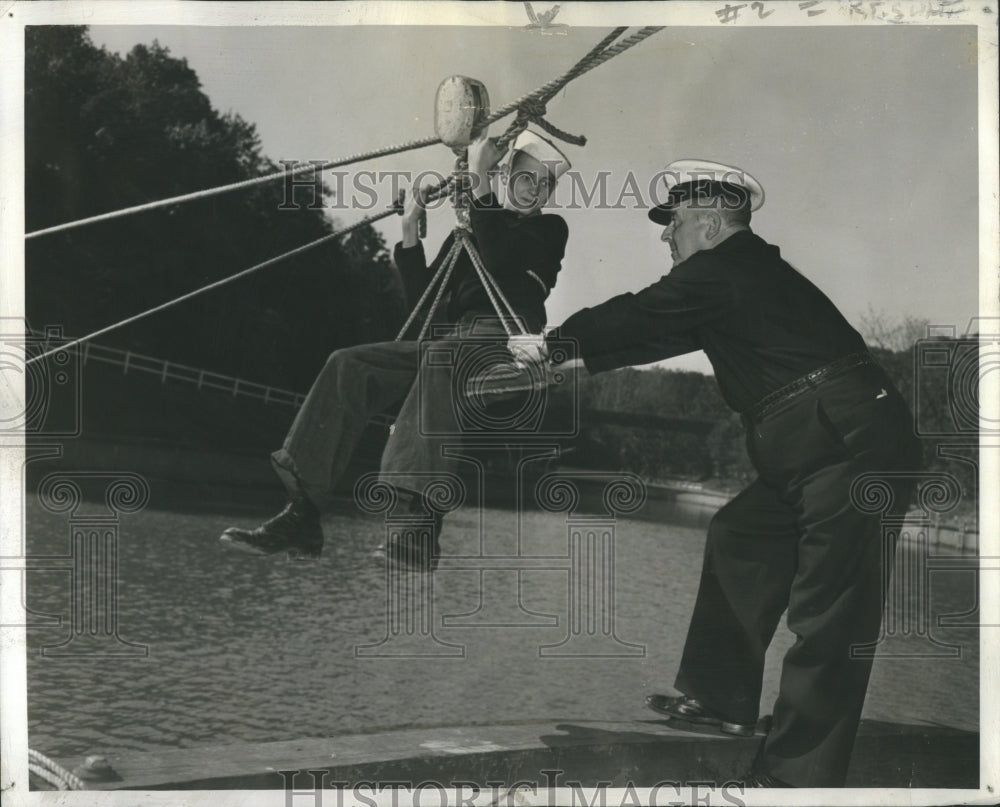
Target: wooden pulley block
[460, 109]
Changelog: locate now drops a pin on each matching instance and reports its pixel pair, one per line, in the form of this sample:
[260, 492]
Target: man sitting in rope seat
[521, 250]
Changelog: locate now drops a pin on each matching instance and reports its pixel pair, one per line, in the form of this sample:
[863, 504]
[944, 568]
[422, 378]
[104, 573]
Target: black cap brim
[729, 195]
[662, 214]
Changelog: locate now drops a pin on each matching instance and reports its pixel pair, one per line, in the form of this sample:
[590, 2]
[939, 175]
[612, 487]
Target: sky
[864, 139]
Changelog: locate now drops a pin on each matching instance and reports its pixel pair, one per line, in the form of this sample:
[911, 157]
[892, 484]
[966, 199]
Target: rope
[533, 105]
[492, 289]
[456, 249]
[215, 285]
[246, 183]
[477, 259]
[446, 266]
[559, 134]
[434, 193]
[548, 90]
[52, 772]
[596, 56]
[47, 776]
[533, 111]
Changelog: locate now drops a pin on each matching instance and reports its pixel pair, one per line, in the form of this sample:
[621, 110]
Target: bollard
[96, 768]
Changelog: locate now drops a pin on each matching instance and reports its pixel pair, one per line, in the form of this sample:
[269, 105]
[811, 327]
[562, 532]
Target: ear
[712, 222]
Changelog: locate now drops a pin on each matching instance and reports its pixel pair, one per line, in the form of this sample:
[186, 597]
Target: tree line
[938, 378]
[104, 132]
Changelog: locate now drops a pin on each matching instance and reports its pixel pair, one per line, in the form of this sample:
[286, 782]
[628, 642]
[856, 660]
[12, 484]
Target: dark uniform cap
[701, 179]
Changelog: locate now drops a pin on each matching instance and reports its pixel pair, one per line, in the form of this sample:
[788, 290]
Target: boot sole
[735, 729]
[302, 556]
[380, 557]
[226, 541]
[297, 555]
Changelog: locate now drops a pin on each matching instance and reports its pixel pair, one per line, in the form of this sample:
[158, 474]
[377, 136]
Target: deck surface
[640, 753]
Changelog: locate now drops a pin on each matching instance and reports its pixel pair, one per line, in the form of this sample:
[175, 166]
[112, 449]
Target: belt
[809, 381]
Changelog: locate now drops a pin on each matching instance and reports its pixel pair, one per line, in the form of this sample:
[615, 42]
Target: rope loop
[559, 134]
[532, 109]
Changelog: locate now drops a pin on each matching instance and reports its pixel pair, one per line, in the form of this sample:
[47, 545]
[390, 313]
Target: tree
[883, 332]
[103, 132]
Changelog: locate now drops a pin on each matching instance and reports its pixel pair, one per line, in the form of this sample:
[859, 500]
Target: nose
[665, 235]
[524, 178]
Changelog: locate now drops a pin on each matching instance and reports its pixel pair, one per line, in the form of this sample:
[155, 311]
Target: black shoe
[411, 551]
[690, 709]
[415, 554]
[761, 779]
[295, 530]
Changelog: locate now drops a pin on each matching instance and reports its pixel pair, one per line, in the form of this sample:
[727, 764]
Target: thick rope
[445, 268]
[456, 250]
[546, 91]
[47, 776]
[222, 282]
[596, 56]
[559, 134]
[531, 107]
[492, 289]
[478, 259]
[246, 183]
[593, 60]
[534, 112]
[52, 772]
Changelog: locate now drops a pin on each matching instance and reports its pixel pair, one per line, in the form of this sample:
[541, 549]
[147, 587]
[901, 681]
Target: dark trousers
[359, 382]
[794, 540]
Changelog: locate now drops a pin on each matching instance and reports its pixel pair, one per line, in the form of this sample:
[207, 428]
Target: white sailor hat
[542, 150]
[702, 179]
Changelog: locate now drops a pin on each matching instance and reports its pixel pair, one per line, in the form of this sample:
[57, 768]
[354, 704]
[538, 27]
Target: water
[244, 649]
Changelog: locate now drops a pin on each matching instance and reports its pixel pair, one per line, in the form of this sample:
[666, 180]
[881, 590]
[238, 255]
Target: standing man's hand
[483, 156]
[531, 350]
[528, 348]
[571, 366]
[415, 216]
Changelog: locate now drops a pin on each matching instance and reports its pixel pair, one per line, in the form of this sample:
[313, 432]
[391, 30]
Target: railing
[201, 379]
[132, 362]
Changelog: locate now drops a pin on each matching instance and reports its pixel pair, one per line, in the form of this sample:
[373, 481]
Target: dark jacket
[760, 322]
[522, 253]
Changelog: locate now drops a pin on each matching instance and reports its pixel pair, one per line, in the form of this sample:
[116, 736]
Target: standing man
[818, 412]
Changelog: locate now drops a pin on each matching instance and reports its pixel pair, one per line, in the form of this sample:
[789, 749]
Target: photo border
[15, 16]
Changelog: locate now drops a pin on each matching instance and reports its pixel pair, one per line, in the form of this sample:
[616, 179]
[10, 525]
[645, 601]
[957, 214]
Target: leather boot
[411, 551]
[295, 530]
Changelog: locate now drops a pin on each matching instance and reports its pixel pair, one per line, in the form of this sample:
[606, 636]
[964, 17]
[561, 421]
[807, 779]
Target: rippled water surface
[242, 648]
